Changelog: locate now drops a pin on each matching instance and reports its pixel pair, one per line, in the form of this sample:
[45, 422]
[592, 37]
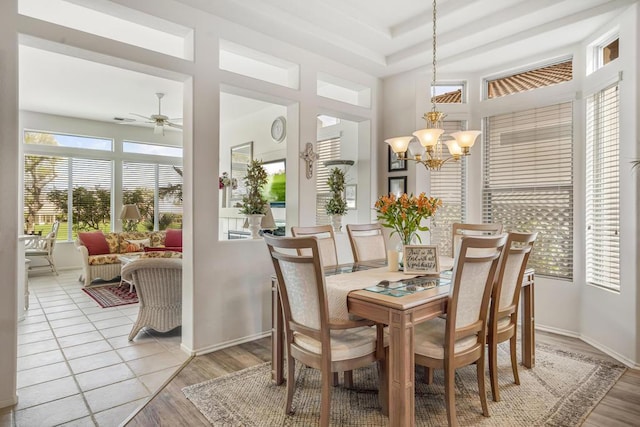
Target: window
[448, 184]
[528, 182]
[610, 52]
[153, 149]
[153, 188]
[68, 141]
[530, 79]
[46, 194]
[452, 93]
[329, 149]
[603, 190]
[71, 178]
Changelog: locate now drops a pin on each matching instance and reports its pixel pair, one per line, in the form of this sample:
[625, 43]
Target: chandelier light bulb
[428, 137]
[466, 138]
[454, 148]
[399, 144]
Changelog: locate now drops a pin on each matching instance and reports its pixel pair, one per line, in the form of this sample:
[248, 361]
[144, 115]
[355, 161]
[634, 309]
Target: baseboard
[603, 348]
[211, 349]
[564, 332]
[9, 402]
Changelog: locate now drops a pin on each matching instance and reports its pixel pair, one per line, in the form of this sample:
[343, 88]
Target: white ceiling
[380, 37]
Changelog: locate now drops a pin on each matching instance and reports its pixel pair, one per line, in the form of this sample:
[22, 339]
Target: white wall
[606, 319]
[9, 183]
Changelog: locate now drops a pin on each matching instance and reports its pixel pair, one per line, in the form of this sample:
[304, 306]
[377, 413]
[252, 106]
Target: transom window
[531, 79]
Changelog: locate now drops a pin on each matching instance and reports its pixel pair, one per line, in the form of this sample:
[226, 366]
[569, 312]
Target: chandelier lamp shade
[431, 138]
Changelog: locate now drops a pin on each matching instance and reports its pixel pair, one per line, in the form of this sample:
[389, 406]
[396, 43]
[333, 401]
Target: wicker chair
[43, 247]
[158, 282]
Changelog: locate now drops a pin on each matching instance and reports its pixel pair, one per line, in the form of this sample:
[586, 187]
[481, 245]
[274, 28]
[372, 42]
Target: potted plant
[336, 206]
[404, 215]
[254, 203]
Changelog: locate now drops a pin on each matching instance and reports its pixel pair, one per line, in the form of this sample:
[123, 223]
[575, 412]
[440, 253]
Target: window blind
[91, 204]
[328, 149]
[170, 206]
[528, 182]
[139, 188]
[42, 175]
[603, 190]
[448, 184]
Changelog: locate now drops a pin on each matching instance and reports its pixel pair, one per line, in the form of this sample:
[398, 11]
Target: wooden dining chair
[459, 230]
[326, 241]
[460, 339]
[312, 337]
[503, 316]
[367, 242]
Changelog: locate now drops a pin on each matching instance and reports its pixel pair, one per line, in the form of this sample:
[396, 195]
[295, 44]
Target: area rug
[561, 390]
[112, 295]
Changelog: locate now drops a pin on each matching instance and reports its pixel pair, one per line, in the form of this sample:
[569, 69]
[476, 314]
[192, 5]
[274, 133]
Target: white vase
[224, 197]
[254, 225]
[336, 222]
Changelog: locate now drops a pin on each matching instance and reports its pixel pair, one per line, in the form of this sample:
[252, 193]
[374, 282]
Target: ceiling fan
[159, 119]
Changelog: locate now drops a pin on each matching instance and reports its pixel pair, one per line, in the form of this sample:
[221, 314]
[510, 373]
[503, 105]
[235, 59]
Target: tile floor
[75, 363]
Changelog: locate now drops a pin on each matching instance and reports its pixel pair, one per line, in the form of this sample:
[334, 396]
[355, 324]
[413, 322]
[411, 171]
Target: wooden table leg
[277, 335]
[401, 370]
[528, 326]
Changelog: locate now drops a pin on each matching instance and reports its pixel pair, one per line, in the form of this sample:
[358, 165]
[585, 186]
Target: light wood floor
[620, 407]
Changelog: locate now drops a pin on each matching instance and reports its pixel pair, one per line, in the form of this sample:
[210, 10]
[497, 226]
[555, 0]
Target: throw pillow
[137, 245]
[95, 242]
[173, 238]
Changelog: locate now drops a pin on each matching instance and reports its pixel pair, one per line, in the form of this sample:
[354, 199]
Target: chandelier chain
[433, 84]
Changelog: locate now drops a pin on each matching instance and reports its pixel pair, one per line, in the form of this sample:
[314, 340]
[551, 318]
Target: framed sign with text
[421, 259]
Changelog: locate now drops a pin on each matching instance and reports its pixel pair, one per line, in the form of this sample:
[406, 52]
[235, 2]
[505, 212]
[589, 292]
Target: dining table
[370, 291]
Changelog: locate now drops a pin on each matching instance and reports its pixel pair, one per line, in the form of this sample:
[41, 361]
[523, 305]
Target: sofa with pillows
[101, 252]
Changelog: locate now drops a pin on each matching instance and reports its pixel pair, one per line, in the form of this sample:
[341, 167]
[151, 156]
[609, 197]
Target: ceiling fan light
[158, 129]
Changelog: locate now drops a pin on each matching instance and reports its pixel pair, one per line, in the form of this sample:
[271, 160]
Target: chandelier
[458, 143]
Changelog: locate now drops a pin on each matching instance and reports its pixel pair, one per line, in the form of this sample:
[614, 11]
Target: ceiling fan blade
[140, 115]
[173, 125]
[176, 119]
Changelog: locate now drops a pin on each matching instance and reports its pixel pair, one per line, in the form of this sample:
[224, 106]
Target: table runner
[339, 286]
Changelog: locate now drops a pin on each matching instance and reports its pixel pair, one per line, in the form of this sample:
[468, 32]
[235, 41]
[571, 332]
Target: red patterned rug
[112, 295]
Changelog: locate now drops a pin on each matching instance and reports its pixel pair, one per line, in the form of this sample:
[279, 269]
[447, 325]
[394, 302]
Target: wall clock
[279, 129]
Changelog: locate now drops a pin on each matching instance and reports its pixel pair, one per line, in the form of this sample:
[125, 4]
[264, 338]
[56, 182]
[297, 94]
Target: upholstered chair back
[367, 242]
[326, 242]
[460, 230]
[473, 276]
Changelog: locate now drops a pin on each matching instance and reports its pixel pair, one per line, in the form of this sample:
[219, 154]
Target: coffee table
[124, 260]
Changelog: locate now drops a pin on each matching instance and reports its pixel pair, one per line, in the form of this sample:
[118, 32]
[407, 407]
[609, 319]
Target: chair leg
[514, 360]
[348, 379]
[450, 394]
[335, 379]
[493, 370]
[291, 384]
[428, 375]
[325, 402]
[481, 387]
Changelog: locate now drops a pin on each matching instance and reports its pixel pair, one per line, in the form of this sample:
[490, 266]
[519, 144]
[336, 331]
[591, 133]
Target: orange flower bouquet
[404, 214]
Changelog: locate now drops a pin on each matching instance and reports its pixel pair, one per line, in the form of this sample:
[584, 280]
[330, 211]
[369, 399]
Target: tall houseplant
[254, 204]
[336, 206]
